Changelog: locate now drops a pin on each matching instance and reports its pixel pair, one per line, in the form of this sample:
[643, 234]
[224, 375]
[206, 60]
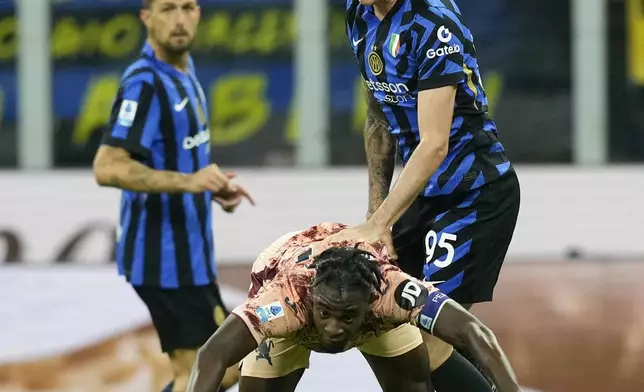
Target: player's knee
[438, 351]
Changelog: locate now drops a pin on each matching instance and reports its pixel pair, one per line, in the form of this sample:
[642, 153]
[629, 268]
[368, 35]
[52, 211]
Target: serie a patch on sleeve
[270, 312]
[127, 113]
[427, 317]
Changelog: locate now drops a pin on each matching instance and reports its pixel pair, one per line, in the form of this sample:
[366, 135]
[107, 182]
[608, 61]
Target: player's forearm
[207, 372]
[213, 358]
[421, 165]
[137, 177]
[226, 347]
[451, 323]
[380, 148]
[483, 345]
[128, 174]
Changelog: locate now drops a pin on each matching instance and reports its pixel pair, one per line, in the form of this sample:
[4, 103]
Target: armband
[433, 305]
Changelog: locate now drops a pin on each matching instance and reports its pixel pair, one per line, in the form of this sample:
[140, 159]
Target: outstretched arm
[437, 79]
[229, 345]
[409, 300]
[380, 148]
[458, 327]
[435, 108]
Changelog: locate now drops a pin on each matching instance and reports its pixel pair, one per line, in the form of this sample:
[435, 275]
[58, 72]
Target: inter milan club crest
[375, 63]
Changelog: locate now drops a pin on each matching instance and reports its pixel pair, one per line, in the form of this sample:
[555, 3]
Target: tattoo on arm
[114, 167]
[380, 148]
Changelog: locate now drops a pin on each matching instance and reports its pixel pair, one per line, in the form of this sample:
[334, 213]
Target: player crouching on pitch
[348, 296]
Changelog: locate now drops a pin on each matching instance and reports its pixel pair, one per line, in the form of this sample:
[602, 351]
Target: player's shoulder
[299, 246]
[439, 18]
[435, 11]
[438, 7]
[352, 5]
[140, 71]
[352, 12]
[402, 290]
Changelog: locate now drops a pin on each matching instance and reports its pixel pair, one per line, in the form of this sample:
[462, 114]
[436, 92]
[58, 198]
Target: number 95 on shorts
[459, 242]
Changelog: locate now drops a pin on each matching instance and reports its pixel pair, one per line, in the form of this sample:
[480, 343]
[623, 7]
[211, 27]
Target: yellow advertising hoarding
[635, 36]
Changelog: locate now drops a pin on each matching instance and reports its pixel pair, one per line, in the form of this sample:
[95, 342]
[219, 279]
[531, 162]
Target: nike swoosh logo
[436, 282]
[356, 43]
[179, 106]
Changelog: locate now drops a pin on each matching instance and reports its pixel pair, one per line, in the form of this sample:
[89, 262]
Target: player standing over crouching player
[348, 296]
[455, 205]
[157, 150]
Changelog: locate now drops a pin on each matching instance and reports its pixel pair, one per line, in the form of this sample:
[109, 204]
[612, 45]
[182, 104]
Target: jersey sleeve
[267, 314]
[409, 300]
[134, 122]
[350, 12]
[440, 48]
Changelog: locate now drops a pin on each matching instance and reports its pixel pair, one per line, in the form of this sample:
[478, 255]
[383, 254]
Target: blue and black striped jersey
[421, 45]
[159, 116]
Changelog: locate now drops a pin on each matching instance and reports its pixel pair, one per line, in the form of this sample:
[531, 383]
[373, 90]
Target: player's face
[172, 24]
[336, 319]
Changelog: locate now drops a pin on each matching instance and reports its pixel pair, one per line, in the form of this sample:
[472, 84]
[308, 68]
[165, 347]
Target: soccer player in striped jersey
[455, 204]
[157, 150]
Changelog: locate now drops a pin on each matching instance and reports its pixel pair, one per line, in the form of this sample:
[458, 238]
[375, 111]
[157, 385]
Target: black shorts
[460, 241]
[185, 317]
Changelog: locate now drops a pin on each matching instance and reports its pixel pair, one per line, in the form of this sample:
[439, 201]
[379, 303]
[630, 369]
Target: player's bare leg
[182, 362]
[286, 383]
[408, 372]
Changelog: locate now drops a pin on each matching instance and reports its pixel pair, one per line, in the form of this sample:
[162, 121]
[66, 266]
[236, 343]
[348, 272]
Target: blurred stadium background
[566, 85]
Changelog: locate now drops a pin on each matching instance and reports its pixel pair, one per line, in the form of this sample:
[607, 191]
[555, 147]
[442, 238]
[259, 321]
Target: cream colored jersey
[279, 304]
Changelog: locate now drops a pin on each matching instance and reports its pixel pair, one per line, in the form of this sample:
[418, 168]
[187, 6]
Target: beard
[174, 45]
[177, 49]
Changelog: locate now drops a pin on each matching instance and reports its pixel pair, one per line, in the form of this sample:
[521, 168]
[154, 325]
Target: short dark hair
[347, 268]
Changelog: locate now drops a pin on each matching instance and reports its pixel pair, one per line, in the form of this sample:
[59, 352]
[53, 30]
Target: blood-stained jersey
[280, 305]
[423, 45]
